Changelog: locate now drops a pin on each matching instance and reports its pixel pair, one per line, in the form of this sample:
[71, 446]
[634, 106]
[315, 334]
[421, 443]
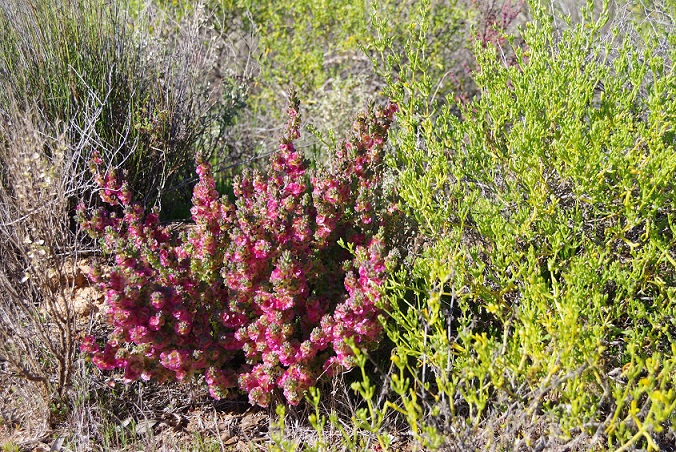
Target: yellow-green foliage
[317, 48]
[546, 281]
[306, 42]
[298, 37]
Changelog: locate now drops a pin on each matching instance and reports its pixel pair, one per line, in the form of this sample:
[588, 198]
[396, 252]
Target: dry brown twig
[41, 175]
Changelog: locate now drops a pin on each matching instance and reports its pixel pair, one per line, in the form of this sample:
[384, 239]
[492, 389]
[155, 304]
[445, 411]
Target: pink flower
[295, 188]
[89, 345]
[261, 249]
[103, 362]
[283, 302]
[155, 322]
[157, 300]
[138, 334]
[175, 359]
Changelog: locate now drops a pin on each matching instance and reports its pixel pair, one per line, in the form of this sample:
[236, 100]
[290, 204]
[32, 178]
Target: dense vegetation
[491, 249]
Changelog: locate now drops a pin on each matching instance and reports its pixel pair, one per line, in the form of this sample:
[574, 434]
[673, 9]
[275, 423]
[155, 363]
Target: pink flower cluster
[259, 294]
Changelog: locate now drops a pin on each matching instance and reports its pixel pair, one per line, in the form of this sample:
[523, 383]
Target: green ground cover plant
[539, 308]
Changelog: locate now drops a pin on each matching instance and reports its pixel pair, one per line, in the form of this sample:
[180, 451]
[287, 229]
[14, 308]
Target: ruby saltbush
[267, 293]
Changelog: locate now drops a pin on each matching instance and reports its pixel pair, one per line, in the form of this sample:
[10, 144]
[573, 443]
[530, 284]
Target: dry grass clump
[40, 177]
[163, 92]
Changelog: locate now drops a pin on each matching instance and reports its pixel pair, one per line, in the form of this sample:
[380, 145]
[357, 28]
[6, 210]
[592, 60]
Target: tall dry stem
[40, 179]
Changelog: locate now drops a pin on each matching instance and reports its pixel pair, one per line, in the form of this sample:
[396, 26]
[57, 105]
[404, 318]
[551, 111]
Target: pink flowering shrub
[263, 294]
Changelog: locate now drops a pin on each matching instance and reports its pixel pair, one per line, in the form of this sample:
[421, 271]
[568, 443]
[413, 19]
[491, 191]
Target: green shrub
[324, 51]
[540, 305]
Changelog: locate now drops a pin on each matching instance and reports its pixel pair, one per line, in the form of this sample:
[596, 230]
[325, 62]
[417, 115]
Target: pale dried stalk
[40, 177]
